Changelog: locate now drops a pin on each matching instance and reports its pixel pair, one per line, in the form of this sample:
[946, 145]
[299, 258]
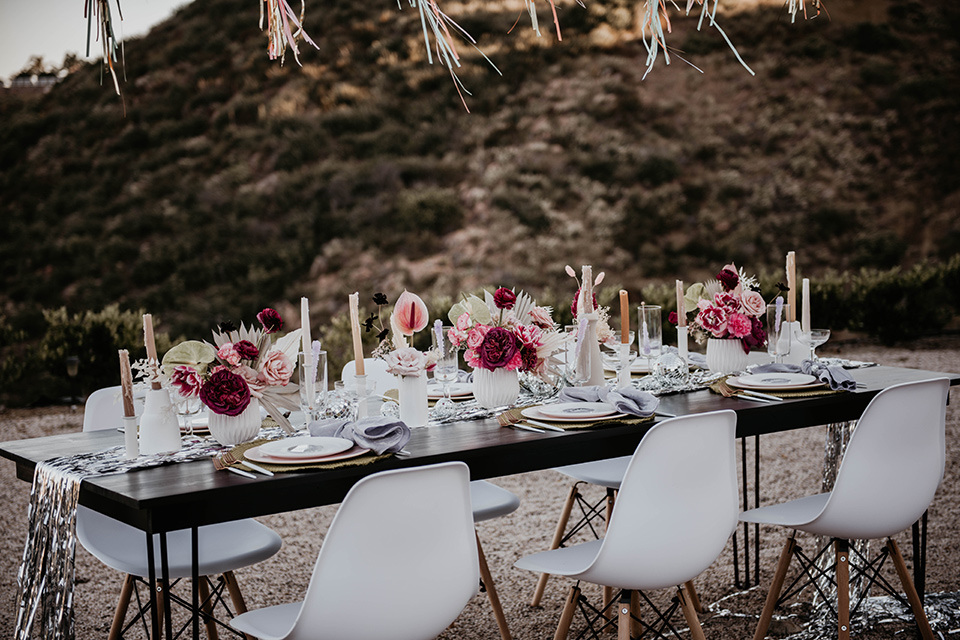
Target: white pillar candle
[805, 314]
[306, 341]
[355, 331]
[792, 286]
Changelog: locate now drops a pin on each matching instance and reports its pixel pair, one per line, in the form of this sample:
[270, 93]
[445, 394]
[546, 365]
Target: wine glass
[778, 331]
[187, 408]
[612, 353]
[813, 339]
[446, 370]
[313, 384]
[573, 375]
[650, 338]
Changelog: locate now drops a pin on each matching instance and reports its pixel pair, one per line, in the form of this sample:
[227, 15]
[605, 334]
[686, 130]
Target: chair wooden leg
[843, 589]
[239, 606]
[207, 608]
[492, 593]
[635, 627]
[557, 537]
[608, 591]
[623, 616]
[692, 594]
[160, 608]
[121, 613]
[774, 594]
[908, 587]
[693, 622]
[563, 627]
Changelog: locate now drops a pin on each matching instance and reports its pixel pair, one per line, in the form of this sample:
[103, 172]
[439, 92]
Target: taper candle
[126, 384]
[150, 343]
[805, 314]
[305, 340]
[355, 330]
[681, 306]
[624, 317]
[792, 286]
[587, 289]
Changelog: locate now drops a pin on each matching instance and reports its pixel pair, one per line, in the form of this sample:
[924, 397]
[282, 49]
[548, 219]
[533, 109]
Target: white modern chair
[676, 508]
[887, 478]
[223, 548]
[399, 561]
[490, 501]
[376, 370]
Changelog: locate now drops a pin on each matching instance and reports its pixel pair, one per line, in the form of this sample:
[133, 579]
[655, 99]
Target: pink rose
[276, 368]
[406, 362]
[541, 317]
[463, 322]
[253, 378]
[456, 336]
[228, 353]
[476, 335]
[739, 325]
[752, 303]
[714, 320]
[186, 380]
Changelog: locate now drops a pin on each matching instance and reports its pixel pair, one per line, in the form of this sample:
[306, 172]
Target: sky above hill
[53, 28]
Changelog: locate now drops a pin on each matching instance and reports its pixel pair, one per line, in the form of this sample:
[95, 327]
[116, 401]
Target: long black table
[181, 496]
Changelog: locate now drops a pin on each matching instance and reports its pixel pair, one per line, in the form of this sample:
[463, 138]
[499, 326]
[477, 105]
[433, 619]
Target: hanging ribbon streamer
[100, 12]
[279, 34]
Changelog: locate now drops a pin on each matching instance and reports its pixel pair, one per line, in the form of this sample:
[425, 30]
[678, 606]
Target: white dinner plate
[774, 381]
[535, 414]
[578, 410]
[253, 454]
[457, 390]
[305, 447]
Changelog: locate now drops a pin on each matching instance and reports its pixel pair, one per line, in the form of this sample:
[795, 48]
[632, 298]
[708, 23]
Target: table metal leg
[195, 579]
[920, 555]
[154, 604]
[756, 505]
[165, 579]
[746, 526]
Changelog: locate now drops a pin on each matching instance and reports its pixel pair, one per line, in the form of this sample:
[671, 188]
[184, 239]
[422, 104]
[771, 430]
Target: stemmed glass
[778, 331]
[446, 370]
[611, 352]
[650, 334]
[187, 408]
[313, 384]
[574, 377]
[813, 339]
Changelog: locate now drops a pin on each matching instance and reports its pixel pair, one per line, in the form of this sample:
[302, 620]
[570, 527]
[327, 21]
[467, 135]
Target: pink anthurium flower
[410, 314]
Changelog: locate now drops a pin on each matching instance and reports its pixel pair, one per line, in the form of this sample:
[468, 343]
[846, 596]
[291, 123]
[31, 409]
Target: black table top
[181, 495]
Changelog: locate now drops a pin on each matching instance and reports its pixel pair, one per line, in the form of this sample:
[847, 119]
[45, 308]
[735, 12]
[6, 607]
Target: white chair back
[376, 370]
[103, 410]
[892, 466]
[399, 560]
[676, 508]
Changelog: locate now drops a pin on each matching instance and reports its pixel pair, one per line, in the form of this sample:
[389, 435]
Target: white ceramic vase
[725, 355]
[496, 388]
[159, 427]
[412, 391]
[231, 430]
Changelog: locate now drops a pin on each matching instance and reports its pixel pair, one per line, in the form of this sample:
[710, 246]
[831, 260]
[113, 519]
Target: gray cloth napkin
[836, 376]
[626, 399]
[379, 434]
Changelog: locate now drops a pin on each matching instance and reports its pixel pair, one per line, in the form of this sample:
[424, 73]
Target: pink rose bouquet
[729, 307]
[506, 330]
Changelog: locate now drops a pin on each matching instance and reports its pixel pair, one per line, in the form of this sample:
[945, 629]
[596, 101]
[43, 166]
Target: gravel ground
[791, 466]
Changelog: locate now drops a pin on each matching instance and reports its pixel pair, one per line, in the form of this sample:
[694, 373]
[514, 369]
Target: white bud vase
[496, 388]
[159, 427]
[231, 430]
[412, 392]
[725, 355]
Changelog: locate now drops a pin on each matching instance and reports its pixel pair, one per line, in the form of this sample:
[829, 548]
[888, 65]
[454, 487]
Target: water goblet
[778, 331]
[619, 357]
[650, 338]
[187, 408]
[446, 371]
[313, 384]
[813, 339]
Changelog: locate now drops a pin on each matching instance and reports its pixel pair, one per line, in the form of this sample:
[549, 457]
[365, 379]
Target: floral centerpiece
[503, 334]
[728, 307]
[243, 368]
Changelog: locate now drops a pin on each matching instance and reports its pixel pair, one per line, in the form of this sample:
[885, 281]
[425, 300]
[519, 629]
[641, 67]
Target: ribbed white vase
[412, 392]
[496, 388]
[725, 355]
[236, 429]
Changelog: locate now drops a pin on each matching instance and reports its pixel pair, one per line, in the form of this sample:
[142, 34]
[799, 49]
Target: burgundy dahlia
[672, 318]
[225, 393]
[271, 320]
[757, 337]
[246, 349]
[498, 348]
[504, 298]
